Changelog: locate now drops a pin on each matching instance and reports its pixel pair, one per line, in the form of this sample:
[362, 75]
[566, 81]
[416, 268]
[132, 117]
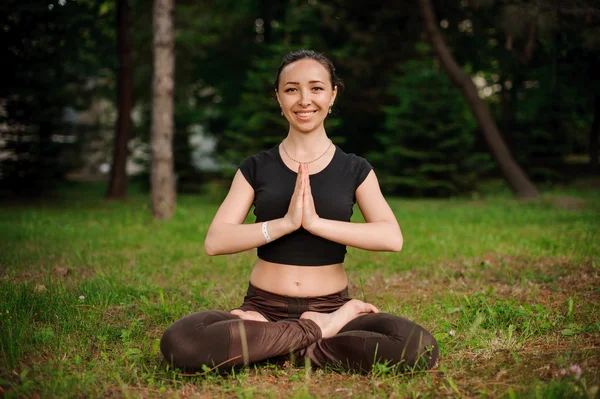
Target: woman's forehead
[305, 69]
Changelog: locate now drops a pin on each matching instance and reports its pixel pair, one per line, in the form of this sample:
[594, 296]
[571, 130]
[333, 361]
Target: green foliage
[63, 54]
[429, 139]
[541, 71]
[51, 53]
[256, 123]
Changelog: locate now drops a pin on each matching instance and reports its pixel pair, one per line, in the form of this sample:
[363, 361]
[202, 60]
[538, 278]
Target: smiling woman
[297, 304]
[306, 93]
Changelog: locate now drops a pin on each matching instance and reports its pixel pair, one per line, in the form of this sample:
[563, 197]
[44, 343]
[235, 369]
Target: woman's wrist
[276, 228]
[314, 226]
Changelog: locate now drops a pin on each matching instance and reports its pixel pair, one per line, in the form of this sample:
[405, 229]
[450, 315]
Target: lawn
[510, 289]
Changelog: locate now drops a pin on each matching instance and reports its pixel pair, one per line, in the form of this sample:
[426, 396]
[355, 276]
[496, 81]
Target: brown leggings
[219, 339]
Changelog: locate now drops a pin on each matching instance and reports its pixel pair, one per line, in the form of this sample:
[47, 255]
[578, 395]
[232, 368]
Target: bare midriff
[298, 281]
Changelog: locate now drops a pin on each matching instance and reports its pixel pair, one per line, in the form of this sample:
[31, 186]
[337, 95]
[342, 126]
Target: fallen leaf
[60, 271]
[39, 288]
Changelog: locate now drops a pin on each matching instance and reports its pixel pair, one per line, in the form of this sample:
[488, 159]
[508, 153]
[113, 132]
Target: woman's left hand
[309, 214]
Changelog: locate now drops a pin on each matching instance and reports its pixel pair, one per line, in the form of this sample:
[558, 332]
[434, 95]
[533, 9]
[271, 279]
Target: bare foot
[248, 315]
[332, 323]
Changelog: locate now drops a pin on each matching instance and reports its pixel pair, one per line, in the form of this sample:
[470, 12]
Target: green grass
[509, 288]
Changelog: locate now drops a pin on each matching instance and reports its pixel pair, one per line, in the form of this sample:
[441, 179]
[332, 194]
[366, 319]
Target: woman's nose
[304, 99]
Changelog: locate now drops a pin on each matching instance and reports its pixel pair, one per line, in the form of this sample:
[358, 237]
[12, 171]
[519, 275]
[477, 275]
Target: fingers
[299, 179]
[297, 195]
[307, 181]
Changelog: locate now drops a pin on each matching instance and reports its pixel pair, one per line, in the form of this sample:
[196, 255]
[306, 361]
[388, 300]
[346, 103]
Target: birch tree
[162, 169]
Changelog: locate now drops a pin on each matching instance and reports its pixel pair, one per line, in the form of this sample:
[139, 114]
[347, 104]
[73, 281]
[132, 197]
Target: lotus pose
[297, 304]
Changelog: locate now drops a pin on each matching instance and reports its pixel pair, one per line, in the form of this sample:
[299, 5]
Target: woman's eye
[317, 88]
[290, 89]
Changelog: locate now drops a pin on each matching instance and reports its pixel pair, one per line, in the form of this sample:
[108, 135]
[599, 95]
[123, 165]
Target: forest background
[536, 65]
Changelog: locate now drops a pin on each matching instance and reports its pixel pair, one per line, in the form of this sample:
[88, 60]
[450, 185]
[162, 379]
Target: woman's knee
[170, 344]
[184, 343]
[428, 351]
[415, 347]
[177, 341]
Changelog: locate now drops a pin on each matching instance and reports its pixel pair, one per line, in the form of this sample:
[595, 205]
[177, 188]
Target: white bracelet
[266, 232]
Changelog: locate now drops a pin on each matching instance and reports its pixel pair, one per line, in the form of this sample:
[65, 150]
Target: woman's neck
[306, 143]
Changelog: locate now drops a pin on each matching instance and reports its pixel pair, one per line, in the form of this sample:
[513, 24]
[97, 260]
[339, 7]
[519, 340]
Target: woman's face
[305, 94]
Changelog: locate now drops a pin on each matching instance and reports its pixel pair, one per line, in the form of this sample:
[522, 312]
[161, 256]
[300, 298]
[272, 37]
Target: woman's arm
[228, 234]
[381, 231]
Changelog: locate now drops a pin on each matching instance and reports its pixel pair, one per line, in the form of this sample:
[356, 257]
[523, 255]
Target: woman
[297, 304]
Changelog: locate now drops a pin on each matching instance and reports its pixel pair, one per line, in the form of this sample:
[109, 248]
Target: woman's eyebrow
[296, 83]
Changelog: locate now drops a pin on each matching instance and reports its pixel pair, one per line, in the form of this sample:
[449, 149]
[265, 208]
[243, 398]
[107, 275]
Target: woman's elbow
[396, 246]
[209, 247]
[396, 243]
[210, 251]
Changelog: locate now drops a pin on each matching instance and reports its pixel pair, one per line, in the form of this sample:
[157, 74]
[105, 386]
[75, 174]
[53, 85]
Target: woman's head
[306, 87]
[312, 55]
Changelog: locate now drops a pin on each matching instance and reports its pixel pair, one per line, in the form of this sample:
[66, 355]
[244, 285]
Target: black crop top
[333, 190]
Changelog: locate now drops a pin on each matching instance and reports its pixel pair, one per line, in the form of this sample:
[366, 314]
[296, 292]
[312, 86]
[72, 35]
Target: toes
[372, 309]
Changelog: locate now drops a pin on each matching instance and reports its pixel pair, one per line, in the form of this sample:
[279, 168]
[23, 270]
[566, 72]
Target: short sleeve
[363, 168]
[248, 169]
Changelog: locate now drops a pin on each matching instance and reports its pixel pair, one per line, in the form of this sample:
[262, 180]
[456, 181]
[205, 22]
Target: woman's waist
[299, 281]
[277, 307]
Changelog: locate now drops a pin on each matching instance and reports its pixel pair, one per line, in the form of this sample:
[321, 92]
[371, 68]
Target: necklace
[316, 159]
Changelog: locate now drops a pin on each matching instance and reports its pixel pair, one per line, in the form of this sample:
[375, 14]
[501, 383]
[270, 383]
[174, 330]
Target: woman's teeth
[305, 113]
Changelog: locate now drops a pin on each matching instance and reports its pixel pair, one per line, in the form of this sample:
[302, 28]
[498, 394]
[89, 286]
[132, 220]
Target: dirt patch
[512, 276]
[591, 183]
[56, 274]
[509, 275]
[520, 368]
[572, 203]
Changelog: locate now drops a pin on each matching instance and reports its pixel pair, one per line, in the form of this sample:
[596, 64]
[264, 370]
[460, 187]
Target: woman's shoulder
[261, 157]
[253, 164]
[350, 159]
[354, 166]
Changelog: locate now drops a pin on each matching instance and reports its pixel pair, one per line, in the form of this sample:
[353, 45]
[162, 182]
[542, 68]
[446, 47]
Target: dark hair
[310, 54]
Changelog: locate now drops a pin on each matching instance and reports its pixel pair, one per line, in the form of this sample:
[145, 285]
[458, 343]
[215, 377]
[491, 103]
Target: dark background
[536, 65]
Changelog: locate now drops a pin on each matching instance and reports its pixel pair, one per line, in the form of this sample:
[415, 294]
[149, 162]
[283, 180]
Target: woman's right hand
[294, 214]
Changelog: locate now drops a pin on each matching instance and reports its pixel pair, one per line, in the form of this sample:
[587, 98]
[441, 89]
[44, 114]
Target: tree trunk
[117, 185]
[163, 173]
[511, 171]
[595, 136]
[507, 114]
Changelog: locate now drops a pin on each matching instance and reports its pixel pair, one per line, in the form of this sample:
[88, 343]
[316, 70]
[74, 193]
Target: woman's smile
[304, 115]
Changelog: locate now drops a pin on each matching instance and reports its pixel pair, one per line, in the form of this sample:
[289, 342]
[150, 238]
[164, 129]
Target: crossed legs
[348, 338]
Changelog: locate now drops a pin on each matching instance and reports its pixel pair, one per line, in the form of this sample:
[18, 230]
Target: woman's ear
[277, 97]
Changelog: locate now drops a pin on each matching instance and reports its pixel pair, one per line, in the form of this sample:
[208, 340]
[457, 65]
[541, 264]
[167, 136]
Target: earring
[282, 113]
[330, 110]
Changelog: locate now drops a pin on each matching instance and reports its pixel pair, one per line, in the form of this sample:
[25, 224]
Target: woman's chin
[307, 127]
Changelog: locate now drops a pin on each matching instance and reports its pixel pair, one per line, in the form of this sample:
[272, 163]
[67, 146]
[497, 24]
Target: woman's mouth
[305, 114]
